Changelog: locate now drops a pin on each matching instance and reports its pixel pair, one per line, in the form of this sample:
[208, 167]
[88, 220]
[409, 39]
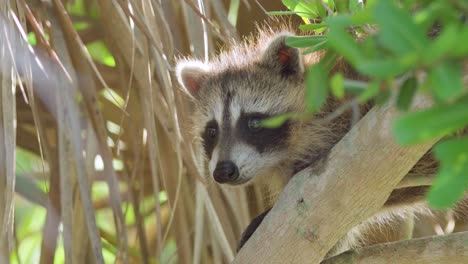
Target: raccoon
[257, 79]
[234, 93]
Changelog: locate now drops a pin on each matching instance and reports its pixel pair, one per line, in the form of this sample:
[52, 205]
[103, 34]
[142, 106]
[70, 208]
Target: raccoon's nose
[225, 172]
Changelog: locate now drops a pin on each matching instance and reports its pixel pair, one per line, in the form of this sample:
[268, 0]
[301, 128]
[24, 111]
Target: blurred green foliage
[401, 47]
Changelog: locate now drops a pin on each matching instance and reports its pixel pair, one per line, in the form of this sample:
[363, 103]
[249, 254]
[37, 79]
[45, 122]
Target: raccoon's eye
[254, 124]
[212, 132]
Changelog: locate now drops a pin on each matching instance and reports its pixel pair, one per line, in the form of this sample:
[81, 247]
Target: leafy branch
[402, 48]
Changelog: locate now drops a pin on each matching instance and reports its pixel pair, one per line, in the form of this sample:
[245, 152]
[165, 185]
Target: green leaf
[371, 3]
[448, 188]
[337, 85]
[449, 151]
[304, 41]
[77, 8]
[80, 26]
[319, 46]
[32, 38]
[363, 16]
[410, 60]
[407, 91]
[342, 6]
[305, 9]
[233, 12]
[321, 9]
[286, 13]
[447, 40]
[99, 52]
[355, 87]
[27, 162]
[275, 121]
[291, 4]
[398, 32]
[330, 3]
[329, 60]
[435, 122]
[461, 50]
[83, 8]
[316, 87]
[343, 43]
[381, 68]
[452, 178]
[355, 5]
[426, 16]
[446, 80]
[312, 27]
[341, 21]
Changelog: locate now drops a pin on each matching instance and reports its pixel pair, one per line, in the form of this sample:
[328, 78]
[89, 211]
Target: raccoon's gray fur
[260, 78]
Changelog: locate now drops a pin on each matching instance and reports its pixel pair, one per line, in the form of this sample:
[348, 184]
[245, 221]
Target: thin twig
[42, 39]
[330, 12]
[340, 110]
[143, 27]
[207, 21]
[247, 4]
[262, 8]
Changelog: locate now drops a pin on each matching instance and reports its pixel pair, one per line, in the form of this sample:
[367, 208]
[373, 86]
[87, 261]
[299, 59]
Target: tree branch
[320, 205]
[439, 249]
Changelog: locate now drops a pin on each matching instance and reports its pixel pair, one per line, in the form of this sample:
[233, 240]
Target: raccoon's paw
[248, 232]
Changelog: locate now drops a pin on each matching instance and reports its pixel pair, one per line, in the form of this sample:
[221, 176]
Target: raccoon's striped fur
[260, 78]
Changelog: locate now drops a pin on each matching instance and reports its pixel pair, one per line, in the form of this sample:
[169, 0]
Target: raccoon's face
[230, 103]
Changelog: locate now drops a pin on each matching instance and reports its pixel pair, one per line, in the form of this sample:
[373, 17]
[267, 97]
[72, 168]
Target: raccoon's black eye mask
[210, 137]
[249, 131]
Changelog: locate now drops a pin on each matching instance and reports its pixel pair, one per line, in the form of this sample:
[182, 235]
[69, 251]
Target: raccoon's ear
[287, 60]
[190, 74]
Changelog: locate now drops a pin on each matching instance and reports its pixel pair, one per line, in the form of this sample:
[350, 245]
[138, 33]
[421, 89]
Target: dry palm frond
[81, 115]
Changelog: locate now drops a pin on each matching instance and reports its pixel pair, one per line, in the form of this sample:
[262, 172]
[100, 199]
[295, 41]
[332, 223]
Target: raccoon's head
[232, 95]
